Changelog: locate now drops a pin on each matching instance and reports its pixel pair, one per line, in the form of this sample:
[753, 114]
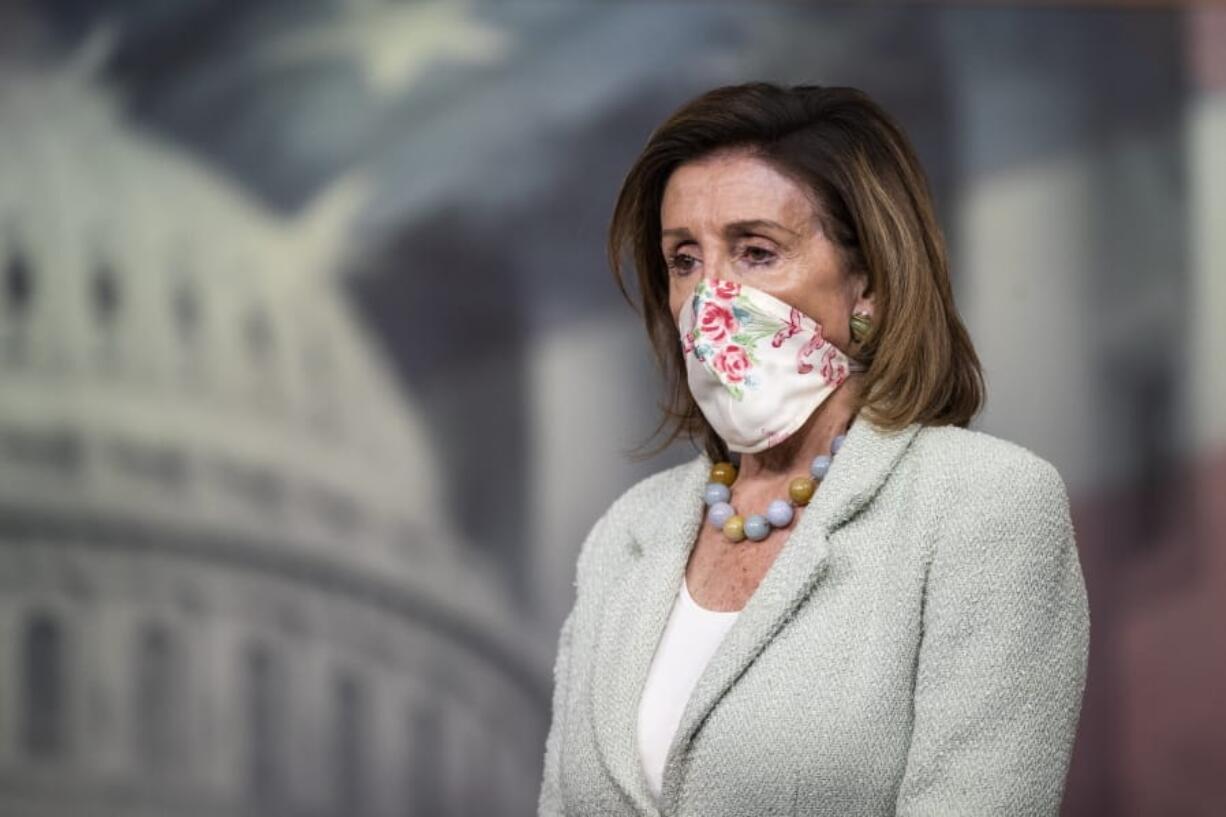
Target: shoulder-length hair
[873, 203]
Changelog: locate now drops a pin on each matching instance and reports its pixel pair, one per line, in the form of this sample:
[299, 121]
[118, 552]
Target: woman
[848, 604]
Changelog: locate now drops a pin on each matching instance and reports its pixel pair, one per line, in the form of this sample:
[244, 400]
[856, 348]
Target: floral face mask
[757, 367]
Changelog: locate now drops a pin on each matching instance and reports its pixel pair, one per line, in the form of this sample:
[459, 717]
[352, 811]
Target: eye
[681, 263]
[758, 256]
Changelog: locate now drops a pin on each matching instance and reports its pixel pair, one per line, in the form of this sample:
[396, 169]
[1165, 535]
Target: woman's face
[733, 216]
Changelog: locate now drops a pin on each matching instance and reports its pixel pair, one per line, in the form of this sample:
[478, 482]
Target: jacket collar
[638, 606]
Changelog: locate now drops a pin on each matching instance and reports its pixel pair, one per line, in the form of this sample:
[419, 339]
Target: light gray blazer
[918, 646]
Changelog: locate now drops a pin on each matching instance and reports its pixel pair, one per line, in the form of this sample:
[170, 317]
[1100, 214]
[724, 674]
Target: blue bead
[757, 527]
[720, 513]
[779, 513]
[837, 443]
[716, 492]
[821, 464]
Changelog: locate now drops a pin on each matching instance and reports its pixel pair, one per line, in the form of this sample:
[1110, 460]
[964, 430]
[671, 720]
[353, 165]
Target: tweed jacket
[918, 646]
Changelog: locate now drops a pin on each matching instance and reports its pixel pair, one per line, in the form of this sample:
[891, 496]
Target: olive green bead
[801, 490]
[723, 472]
[734, 528]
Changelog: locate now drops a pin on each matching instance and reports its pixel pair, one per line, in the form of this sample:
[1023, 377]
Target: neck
[793, 456]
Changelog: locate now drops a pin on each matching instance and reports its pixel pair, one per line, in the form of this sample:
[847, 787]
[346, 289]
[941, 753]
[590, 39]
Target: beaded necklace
[780, 512]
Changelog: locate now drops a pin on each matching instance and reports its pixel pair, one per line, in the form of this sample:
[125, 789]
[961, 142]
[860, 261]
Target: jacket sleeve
[550, 802]
[1002, 658]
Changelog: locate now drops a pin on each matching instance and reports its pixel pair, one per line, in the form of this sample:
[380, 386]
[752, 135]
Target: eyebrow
[733, 229]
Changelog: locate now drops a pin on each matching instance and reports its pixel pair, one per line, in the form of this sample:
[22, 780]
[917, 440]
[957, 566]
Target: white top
[688, 642]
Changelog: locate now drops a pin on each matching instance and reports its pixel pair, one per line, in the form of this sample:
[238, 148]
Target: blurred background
[314, 375]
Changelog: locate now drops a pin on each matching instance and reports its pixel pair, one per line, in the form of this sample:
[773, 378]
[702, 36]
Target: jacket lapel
[633, 618]
[637, 609]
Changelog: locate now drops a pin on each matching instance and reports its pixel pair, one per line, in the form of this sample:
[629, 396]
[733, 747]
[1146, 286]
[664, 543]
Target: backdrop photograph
[316, 377]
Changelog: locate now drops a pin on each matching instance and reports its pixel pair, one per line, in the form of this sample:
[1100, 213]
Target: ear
[863, 298]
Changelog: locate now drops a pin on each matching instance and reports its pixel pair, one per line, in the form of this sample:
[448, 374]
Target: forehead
[727, 187]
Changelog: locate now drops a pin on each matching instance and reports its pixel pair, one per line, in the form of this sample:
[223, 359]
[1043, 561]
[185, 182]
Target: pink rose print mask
[757, 366]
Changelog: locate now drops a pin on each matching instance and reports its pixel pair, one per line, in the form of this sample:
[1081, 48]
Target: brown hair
[873, 203]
